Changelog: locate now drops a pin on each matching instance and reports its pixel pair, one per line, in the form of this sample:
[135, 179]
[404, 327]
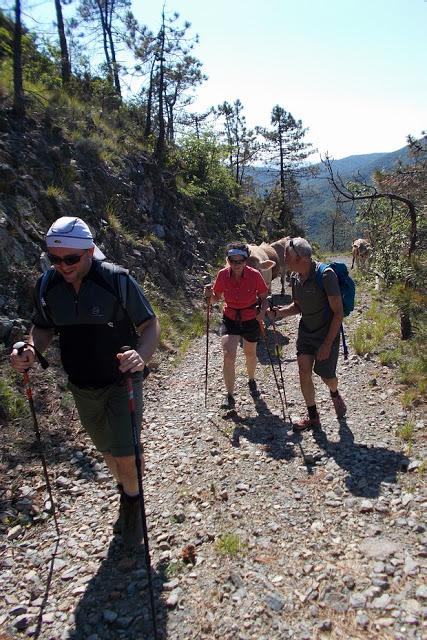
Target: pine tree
[286, 150]
[242, 145]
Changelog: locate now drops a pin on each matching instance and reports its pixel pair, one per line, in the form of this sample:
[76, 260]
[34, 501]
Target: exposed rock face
[135, 211]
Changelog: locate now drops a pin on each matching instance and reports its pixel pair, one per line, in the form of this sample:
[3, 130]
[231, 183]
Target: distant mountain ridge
[317, 200]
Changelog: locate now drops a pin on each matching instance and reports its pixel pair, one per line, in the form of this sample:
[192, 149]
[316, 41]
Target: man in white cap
[78, 299]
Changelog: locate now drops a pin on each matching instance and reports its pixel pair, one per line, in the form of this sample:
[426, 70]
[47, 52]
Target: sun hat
[72, 233]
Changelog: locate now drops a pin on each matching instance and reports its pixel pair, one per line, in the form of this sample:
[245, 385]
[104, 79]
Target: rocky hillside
[135, 210]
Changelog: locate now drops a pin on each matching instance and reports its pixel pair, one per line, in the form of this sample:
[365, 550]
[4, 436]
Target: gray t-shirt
[313, 301]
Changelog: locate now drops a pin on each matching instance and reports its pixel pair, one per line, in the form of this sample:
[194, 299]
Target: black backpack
[117, 286]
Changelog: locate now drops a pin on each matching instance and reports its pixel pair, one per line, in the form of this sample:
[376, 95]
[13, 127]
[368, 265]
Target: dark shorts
[323, 368]
[247, 329]
[104, 414]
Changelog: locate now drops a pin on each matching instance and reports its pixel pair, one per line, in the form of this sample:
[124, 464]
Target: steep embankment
[48, 168]
[313, 536]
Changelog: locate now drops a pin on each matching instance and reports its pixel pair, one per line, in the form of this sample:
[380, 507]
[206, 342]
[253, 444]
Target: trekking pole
[262, 327]
[137, 449]
[206, 281]
[20, 346]
[279, 359]
[344, 343]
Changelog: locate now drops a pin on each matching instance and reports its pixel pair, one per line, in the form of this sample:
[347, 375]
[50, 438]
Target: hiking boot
[229, 402]
[253, 389]
[131, 522]
[339, 405]
[118, 525]
[307, 423]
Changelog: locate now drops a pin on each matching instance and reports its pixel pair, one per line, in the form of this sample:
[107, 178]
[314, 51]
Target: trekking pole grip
[20, 346]
[127, 374]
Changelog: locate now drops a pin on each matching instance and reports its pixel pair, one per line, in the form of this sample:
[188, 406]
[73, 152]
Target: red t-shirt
[241, 293]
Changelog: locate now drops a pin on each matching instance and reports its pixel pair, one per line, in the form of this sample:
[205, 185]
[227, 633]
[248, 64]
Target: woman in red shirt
[242, 288]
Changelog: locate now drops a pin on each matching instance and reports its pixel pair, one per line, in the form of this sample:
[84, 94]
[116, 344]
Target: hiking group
[96, 308]
[316, 296]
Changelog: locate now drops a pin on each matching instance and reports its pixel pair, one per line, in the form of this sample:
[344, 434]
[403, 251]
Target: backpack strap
[117, 285]
[319, 278]
[45, 281]
[320, 271]
[121, 287]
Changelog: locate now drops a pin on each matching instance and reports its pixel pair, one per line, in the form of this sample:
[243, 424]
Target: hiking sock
[334, 394]
[312, 412]
[130, 499]
[132, 521]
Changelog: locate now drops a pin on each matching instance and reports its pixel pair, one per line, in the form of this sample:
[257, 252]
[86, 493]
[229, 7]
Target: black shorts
[247, 329]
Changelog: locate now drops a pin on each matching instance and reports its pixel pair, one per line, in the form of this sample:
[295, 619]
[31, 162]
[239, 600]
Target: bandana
[72, 233]
[237, 252]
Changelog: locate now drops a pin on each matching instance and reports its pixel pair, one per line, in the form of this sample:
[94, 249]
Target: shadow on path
[266, 429]
[367, 467]
[116, 603]
[273, 339]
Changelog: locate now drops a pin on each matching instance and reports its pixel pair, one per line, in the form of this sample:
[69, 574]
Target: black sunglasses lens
[74, 259]
[68, 260]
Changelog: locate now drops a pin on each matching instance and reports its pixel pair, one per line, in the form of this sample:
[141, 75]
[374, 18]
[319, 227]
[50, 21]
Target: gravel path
[256, 533]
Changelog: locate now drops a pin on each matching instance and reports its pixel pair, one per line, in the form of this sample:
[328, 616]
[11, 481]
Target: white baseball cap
[72, 233]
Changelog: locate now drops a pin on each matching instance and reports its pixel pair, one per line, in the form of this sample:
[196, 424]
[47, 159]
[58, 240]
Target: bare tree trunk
[18, 86]
[65, 60]
[147, 128]
[283, 212]
[170, 104]
[104, 40]
[160, 146]
[114, 65]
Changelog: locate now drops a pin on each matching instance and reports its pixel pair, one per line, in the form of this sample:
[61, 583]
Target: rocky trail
[256, 533]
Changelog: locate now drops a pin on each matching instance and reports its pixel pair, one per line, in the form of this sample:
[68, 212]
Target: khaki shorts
[104, 414]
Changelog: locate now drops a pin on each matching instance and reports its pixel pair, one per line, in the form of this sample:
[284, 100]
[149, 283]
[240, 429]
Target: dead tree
[345, 194]
[371, 194]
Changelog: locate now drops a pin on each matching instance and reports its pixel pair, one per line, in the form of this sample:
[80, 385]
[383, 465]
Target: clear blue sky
[354, 71]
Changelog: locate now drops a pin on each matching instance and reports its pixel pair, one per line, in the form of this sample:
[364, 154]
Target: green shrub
[406, 431]
[55, 192]
[12, 403]
[229, 544]
[379, 324]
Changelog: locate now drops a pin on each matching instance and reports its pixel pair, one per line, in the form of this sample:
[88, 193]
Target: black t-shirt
[92, 325]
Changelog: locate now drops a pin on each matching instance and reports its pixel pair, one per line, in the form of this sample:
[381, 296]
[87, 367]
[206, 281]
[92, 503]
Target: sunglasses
[236, 261]
[72, 258]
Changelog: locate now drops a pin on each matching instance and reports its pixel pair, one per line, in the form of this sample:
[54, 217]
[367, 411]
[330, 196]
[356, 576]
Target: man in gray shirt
[319, 328]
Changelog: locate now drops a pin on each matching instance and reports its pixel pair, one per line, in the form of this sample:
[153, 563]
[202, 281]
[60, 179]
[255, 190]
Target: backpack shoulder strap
[321, 268]
[109, 276]
[45, 281]
[114, 279]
